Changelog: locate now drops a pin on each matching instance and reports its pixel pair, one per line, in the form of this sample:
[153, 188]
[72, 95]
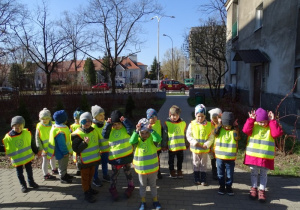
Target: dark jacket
[78, 145]
[106, 132]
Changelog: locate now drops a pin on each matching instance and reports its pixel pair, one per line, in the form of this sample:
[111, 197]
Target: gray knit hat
[96, 110]
[84, 117]
[45, 113]
[17, 120]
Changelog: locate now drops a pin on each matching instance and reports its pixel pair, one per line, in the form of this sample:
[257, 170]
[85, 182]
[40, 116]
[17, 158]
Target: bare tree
[118, 22]
[216, 6]
[207, 49]
[169, 65]
[4, 69]
[45, 46]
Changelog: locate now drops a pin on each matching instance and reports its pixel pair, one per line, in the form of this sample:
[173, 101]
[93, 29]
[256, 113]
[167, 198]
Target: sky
[186, 14]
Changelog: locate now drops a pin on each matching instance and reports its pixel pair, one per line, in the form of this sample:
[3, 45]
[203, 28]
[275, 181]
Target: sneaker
[261, 195]
[69, 176]
[173, 174]
[229, 190]
[65, 180]
[179, 175]
[221, 190]
[55, 171]
[142, 206]
[49, 177]
[24, 188]
[156, 205]
[89, 197]
[114, 193]
[94, 192]
[204, 184]
[33, 185]
[253, 193]
[159, 176]
[78, 173]
[97, 182]
[128, 191]
[106, 178]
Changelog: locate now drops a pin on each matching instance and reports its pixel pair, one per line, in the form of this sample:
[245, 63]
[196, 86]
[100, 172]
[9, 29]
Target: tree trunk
[48, 85]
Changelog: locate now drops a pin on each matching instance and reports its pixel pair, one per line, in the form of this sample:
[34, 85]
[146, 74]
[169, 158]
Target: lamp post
[172, 55]
[158, 66]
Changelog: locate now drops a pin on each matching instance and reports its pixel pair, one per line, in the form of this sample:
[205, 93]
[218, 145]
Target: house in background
[263, 53]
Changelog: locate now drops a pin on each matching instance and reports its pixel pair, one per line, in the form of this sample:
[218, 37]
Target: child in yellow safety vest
[20, 148]
[156, 125]
[200, 138]
[73, 127]
[174, 140]
[226, 136]
[145, 160]
[118, 131]
[86, 145]
[261, 128]
[42, 140]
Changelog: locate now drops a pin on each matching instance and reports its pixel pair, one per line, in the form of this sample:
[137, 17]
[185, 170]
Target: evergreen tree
[90, 72]
[153, 71]
[105, 68]
[16, 75]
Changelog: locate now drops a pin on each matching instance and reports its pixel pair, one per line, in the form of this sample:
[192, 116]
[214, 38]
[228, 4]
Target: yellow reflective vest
[225, 145]
[145, 159]
[18, 148]
[74, 126]
[119, 145]
[157, 128]
[92, 152]
[104, 147]
[176, 132]
[44, 132]
[55, 130]
[261, 144]
[200, 134]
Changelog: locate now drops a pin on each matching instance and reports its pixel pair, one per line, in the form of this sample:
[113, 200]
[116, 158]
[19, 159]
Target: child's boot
[156, 205]
[24, 188]
[114, 193]
[214, 169]
[129, 191]
[197, 177]
[33, 184]
[173, 174]
[179, 174]
[88, 196]
[253, 193]
[142, 206]
[203, 179]
[229, 190]
[262, 195]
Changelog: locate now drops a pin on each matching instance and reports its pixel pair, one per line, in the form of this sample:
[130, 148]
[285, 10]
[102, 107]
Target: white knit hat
[214, 112]
[45, 113]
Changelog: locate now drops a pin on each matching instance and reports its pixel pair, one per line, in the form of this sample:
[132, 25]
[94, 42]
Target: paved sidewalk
[174, 194]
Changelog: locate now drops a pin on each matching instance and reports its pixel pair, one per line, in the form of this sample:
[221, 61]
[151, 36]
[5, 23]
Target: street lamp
[172, 55]
[158, 66]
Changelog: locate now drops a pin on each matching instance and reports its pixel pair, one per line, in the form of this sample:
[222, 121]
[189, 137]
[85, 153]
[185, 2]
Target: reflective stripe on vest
[157, 128]
[261, 144]
[92, 152]
[225, 145]
[200, 134]
[44, 132]
[18, 148]
[145, 159]
[119, 145]
[104, 147]
[176, 136]
[55, 130]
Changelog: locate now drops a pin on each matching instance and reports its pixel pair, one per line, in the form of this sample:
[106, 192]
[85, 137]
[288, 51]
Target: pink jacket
[276, 131]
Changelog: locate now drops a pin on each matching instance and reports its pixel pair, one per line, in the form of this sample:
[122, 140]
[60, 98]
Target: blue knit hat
[200, 108]
[60, 116]
[77, 113]
[151, 113]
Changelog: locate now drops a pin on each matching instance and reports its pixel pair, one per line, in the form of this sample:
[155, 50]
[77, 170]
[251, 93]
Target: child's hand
[235, 124]
[220, 120]
[149, 126]
[108, 120]
[39, 153]
[204, 146]
[86, 139]
[138, 127]
[271, 115]
[122, 118]
[252, 114]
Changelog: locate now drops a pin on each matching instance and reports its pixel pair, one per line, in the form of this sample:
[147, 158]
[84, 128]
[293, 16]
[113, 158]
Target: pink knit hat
[261, 115]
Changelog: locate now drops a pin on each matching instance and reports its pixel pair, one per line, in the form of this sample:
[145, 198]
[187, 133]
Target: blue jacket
[60, 146]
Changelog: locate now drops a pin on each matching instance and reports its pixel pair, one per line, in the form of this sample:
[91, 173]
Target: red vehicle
[101, 86]
[172, 85]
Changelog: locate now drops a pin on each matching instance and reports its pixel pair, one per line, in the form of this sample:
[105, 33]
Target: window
[197, 76]
[259, 17]
[120, 74]
[175, 82]
[235, 20]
